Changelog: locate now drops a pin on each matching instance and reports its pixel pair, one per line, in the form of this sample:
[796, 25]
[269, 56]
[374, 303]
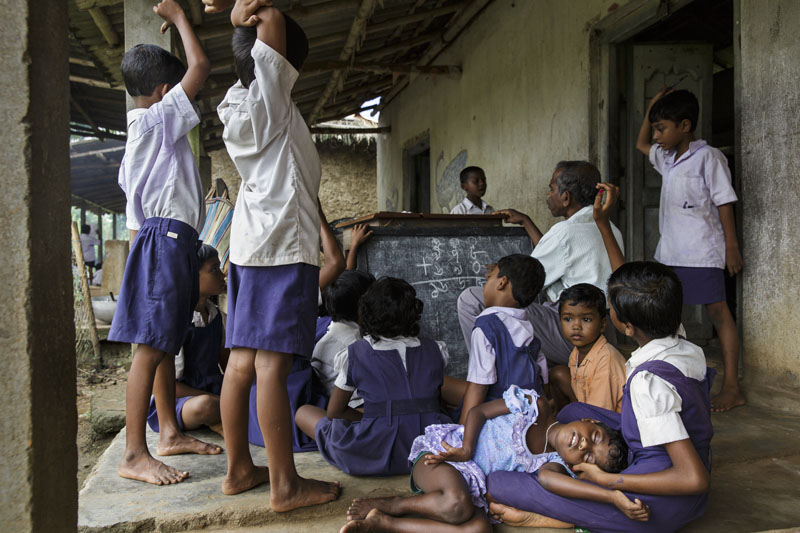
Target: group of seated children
[391, 407]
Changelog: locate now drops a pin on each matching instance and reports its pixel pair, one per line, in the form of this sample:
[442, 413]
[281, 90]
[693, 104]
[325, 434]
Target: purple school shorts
[272, 308]
[701, 285]
[159, 288]
[152, 414]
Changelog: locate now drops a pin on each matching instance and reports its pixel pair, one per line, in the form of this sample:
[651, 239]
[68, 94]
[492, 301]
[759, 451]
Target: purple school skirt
[272, 308]
[152, 414]
[159, 288]
[701, 285]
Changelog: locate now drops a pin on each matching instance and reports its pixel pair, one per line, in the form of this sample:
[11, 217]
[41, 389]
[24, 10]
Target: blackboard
[440, 263]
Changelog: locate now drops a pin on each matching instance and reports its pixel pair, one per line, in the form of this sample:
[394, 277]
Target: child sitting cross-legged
[398, 375]
[596, 371]
[516, 433]
[503, 349]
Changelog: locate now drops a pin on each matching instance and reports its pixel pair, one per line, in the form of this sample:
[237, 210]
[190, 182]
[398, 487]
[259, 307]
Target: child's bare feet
[518, 518]
[374, 521]
[180, 443]
[361, 507]
[303, 493]
[234, 484]
[727, 399]
[143, 467]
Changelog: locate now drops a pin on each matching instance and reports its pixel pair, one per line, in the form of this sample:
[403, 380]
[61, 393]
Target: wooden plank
[104, 25]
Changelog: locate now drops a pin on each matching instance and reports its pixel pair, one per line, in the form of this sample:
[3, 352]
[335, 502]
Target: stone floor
[755, 486]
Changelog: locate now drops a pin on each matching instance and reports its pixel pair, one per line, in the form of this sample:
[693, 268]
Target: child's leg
[446, 506]
[730, 396]
[561, 386]
[234, 399]
[199, 411]
[307, 417]
[171, 440]
[137, 463]
[287, 489]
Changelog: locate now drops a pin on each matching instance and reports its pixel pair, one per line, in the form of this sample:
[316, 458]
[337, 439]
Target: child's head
[514, 281]
[582, 309]
[145, 67]
[573, 184]
[590, 441]
[245, 37]
[647, 296]
[341, 297]
[211, 278]
[86, 229]
[473, 181]
[674, 117]
[389, 308]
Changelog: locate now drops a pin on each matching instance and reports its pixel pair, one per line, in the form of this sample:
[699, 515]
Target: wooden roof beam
[449, 70]
[86, 117]
[103, 23]
[324, 130]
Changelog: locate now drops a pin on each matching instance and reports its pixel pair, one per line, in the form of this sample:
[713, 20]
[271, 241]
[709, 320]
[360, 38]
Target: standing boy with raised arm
[165, 210]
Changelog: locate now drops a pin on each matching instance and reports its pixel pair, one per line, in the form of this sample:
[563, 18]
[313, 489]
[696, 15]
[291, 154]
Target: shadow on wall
[448, 185]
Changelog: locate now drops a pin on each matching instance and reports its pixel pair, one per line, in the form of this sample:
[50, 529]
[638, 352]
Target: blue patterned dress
[501, 444]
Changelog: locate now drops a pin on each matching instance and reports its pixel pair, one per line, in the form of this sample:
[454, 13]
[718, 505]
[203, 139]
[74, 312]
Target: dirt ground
[116, 362]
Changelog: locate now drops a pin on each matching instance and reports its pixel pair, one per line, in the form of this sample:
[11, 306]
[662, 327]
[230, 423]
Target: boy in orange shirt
[596, 370]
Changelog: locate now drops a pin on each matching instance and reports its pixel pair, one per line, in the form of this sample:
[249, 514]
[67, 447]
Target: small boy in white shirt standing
[165, 210]
[274, 252]
[473, 181]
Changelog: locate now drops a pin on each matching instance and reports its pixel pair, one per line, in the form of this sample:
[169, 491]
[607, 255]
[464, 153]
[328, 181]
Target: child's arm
[473, 397]
[687, 475]
[358, 235]
[643, 140]
[602, 213]
[334, 260]
[338, 408]
[199, 66]
[733, 259]
[476, 418]
[554, 478]
[269, 22]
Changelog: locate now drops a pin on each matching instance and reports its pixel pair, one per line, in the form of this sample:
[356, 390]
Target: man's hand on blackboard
[513, 216]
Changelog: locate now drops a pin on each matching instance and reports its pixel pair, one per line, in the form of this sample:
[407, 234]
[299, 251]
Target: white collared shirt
[395, 343]
[656, 403]
[692, 189]
[572, 252]
[482, 356]
[276, 219]
[330, 354]
[466, 207]
[158, 172]
[88, 242]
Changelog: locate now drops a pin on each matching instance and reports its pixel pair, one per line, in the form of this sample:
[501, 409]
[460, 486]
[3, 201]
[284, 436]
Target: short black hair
[146, 66]
[580, 178]
[584, 294]
[676, 106]
[464, 175]
[86, 228]
[617, 450]
[341, 297]
[526, 275]
[648, 295]
[206, 252]
[245, 37]
[389, 308]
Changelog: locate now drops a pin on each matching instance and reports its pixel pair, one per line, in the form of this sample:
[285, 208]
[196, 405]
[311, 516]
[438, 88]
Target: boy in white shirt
[274, 252]
[473, 181]
[165, 211]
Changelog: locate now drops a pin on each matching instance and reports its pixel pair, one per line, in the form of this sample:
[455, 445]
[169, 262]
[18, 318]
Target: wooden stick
[77, 249]
[103, 23]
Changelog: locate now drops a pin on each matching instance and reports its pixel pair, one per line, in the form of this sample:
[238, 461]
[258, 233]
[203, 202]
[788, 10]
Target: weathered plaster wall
[770, 173]
[39, 456]
[520, 106]
[348, 186]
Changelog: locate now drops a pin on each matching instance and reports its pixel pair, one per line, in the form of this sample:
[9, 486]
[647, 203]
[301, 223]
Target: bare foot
[517, 518]
[144, 467]
[360, 507]
[727, 399]
[372, 522]
[241, 483]
[303, 493]
[181, 443]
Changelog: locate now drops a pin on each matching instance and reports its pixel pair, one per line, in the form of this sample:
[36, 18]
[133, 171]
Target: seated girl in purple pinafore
[398, 375]
[515, 433]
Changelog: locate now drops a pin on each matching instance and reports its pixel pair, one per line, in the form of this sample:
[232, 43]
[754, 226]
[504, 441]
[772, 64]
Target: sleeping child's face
[585, 441]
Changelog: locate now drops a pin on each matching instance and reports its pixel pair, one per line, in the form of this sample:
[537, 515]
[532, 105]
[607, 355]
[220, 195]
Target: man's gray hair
[579, 178]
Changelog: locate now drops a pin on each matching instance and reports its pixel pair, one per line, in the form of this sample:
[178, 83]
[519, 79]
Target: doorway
[417, 174]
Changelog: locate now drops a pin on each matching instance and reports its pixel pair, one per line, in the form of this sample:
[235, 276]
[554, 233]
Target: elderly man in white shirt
[571, 252]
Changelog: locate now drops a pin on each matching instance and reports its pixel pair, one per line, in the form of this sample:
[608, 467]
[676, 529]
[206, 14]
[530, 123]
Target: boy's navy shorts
[272, 308]
[160, 286]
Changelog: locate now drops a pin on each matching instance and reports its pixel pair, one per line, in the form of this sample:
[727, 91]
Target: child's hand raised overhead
[170, 11]
[244, 12]
[217, 6]
[602, 210]
[458, 455]
[635, 510]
